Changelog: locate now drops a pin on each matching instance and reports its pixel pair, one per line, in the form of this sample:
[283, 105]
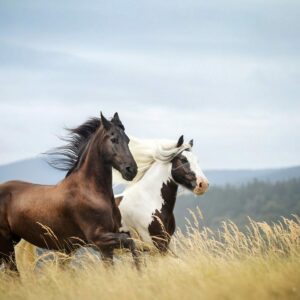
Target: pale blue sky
[226, 73]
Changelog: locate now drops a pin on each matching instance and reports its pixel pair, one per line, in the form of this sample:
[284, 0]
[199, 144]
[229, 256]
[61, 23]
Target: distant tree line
[261, 201]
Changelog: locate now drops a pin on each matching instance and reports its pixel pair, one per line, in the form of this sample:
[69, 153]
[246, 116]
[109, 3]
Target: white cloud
[223, 74]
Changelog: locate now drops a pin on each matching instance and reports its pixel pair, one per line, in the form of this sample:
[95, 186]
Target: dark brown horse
[80, 209]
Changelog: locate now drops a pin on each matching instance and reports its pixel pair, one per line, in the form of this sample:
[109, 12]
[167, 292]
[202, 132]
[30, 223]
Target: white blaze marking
[192, 159]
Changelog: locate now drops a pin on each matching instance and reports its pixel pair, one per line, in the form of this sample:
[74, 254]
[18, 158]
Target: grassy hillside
[264, 263]
[262, 201]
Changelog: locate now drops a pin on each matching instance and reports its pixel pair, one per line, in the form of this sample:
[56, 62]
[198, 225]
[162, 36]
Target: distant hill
[35, 170]
[38, 171]
[237, 177]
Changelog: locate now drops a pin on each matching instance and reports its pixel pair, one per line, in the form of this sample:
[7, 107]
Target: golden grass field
[263, 263]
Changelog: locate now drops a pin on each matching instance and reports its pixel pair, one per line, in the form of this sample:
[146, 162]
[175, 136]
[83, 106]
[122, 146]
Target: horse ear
[180, 141]
[191, 142]
[116, 117]
[116, 120]
[105, 122]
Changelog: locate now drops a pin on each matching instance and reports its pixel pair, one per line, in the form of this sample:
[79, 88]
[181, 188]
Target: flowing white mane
[148, 151]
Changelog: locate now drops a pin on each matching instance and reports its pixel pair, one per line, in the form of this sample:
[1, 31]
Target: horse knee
[111, 240]
[126, 241]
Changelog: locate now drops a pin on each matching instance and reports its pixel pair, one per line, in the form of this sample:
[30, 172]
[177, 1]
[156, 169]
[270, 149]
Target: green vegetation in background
[262, 201]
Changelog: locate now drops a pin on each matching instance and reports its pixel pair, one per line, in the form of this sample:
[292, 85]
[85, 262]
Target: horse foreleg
[107, 242]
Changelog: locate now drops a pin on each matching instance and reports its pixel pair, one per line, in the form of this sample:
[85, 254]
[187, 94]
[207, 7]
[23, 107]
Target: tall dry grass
[261, 263]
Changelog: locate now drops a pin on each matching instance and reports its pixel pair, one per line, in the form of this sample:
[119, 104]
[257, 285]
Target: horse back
[15, 185]
[23, 205]
[11, 189]
[7, 189]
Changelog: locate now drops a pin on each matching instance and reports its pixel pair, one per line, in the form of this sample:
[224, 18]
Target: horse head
[115, 147]
[186, 171]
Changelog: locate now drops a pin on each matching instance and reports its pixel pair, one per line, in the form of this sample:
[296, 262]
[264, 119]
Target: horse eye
[114, 140]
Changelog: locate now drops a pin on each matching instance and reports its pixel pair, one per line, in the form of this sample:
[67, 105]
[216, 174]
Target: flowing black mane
[66, 158]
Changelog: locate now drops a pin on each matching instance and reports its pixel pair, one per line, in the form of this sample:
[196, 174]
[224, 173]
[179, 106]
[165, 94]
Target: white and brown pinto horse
[148, 203]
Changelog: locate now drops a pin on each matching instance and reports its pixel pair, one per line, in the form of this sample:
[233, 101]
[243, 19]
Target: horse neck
[95, 171]
[158, 183]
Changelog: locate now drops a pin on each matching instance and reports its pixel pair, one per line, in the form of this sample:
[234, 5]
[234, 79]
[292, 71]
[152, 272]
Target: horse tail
[25, 257]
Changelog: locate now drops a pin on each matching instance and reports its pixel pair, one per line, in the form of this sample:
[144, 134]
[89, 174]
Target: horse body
[79, 210]
[68, 209]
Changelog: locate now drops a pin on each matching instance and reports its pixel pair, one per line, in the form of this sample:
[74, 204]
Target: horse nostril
[129, 170]
[202, 185]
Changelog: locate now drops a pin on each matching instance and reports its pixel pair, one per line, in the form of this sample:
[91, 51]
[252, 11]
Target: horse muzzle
[129, 172]
[202, 185]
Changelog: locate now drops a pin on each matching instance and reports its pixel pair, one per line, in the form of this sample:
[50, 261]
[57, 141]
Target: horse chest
[144, 213]
[137, 212]
[94, 211]
[150, 212]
